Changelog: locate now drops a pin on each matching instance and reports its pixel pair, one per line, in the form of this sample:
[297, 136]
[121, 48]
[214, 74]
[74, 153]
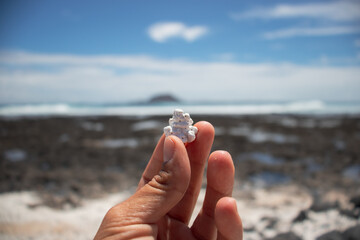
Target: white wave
[296, 107]
[292, 107]
[41, 109]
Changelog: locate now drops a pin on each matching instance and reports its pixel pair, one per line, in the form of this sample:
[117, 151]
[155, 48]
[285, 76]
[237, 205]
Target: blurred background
[86, 88]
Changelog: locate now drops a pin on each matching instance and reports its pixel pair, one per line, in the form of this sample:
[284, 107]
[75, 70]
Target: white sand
[256, 206]
[18, 221]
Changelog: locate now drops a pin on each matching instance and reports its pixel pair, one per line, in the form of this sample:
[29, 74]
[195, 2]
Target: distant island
[163, 98]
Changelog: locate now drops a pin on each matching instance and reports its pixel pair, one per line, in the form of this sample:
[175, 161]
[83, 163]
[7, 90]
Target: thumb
[156, 198]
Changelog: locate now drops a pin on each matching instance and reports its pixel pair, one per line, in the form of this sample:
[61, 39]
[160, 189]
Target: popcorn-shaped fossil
[181, 126]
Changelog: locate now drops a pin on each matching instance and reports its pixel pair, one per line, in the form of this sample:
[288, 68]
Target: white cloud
[31, 77]
[335, 11]
[327, 18]
[311, 31]
[161, 32]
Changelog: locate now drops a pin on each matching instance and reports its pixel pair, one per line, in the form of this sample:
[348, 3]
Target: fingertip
[221, 161]
[226, 205]
[176, 141]
[220, 166]
[205, 129]
[203, 124]
[221, 155]
[227, 219]
[178, 144]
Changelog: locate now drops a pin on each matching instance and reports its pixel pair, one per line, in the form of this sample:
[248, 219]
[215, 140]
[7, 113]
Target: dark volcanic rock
[352, 233]
[303, 215]
[285, 236]
[333, 235]
[270, 221]
[353, 213]
[356, 201]
[319, 204]
[71, 158]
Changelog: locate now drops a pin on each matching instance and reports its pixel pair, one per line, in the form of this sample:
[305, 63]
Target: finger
[220, 181]
[163, 192]
[227, 219]
[154, 165]
[198, 152]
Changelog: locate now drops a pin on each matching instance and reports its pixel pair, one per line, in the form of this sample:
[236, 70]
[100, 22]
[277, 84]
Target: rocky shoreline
[315, 159]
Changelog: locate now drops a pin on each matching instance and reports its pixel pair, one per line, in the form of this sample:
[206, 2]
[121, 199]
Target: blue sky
[68, 51]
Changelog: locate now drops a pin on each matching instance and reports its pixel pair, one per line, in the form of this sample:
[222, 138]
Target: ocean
[205, 108]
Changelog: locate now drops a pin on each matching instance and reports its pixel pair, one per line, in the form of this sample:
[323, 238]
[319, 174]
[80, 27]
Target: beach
[87, 88]
[297, 175]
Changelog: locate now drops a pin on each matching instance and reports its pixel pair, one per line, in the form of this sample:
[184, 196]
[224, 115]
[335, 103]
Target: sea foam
[291, 107]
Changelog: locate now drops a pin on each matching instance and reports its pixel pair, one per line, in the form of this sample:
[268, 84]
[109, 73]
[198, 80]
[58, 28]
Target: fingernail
[169, 149]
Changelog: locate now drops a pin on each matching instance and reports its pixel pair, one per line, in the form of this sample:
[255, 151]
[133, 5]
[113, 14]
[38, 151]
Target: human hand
[162, 206]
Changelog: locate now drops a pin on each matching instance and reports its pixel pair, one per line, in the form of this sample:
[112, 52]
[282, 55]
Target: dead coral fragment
[181, 126]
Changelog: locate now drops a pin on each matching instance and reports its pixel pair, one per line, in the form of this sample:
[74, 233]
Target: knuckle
[161, 181]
